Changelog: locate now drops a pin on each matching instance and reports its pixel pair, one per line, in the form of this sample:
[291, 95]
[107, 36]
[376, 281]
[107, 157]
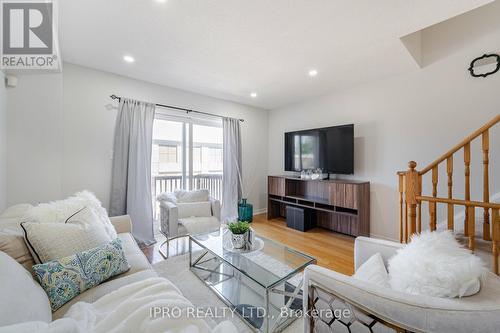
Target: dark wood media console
[340, 205]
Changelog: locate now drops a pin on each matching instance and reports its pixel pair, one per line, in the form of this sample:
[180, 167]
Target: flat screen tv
[329, 148]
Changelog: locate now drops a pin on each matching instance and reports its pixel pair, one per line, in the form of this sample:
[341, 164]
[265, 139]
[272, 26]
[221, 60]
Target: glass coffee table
[263, 286]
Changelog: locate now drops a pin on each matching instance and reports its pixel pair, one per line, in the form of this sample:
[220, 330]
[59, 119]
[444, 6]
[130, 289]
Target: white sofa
[477, 313]
[140, 270]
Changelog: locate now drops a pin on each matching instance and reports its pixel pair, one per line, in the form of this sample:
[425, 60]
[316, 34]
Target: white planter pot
[239, 240]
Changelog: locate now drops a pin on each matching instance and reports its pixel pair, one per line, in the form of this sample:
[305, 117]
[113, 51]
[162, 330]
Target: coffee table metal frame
[207, 256]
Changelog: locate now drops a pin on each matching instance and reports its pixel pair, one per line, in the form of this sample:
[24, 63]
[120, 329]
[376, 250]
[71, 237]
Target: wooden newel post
[401, 209]
[495, 220]
[411, 187]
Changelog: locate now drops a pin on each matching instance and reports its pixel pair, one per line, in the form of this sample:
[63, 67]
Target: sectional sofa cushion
[66, 278]
[11, 235]
[135, 257]
[22, 299]
[12, 243]
[52, 241]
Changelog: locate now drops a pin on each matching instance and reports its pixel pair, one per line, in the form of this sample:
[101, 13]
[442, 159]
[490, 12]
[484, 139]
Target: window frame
[187, 140]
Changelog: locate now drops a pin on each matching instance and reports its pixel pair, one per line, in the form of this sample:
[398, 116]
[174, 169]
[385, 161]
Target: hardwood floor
[331, 250]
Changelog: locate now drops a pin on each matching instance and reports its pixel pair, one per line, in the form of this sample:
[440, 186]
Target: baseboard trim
[259, 211]
[384, 238]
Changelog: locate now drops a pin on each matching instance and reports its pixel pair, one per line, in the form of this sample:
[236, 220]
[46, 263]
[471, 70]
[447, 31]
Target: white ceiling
[229, 48]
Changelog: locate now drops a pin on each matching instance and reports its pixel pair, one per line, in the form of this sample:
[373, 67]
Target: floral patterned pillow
[68, 277]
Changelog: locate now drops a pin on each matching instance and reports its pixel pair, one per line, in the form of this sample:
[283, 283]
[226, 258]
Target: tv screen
[330, 149]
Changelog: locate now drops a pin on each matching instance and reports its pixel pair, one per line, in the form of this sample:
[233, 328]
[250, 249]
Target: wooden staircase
[411, 198]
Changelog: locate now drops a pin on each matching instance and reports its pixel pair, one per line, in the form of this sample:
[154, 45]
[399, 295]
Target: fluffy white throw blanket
[435, 264]
[58, 211]
[128, 309]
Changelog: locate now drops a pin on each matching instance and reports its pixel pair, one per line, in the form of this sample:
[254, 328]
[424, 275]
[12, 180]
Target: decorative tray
[257, 245]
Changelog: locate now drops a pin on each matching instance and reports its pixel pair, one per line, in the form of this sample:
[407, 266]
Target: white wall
[417, 116]
[84, 127]
[34, 131]
[3, 142]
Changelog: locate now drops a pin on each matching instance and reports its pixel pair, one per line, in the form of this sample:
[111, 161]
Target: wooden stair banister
[495, 221]
[467, 184]
[411, 187]
[459, 146]
[486, 183]
[411, 197]
[451, 209]
[465, 203]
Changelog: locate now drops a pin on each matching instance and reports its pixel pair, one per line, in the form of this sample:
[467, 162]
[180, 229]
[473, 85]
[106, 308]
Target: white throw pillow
[191, 196]
[167, 196]
[59, 211]
[50, 241]
[434, 264]
[22, 299]
[373, 271]
[194, 209]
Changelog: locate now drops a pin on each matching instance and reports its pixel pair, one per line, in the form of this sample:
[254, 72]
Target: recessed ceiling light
[161, 1]
[313, 73]
[253, 95]
[128, 59]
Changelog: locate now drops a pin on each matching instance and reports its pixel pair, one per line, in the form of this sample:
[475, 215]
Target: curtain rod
[178, 108]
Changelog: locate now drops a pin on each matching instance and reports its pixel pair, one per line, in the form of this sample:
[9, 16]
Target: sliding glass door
[206, 172]
[187, 154]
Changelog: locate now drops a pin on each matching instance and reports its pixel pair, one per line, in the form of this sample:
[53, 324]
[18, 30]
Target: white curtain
[131, 174]
[232, 176]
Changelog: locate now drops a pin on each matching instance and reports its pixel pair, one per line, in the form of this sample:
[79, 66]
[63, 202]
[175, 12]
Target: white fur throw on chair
[435, 264]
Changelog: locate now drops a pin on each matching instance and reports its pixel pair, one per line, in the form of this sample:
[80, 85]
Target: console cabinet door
[276, 186]
[344, 195]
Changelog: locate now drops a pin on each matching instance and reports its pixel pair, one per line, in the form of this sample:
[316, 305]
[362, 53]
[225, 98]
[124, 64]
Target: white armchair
[386, 310]
[187, 212]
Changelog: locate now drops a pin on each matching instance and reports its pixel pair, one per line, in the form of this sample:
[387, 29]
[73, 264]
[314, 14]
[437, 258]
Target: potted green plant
[239, 233]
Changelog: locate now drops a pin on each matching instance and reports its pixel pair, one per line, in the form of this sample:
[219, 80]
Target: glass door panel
[186, 154]
[167, 172]
[207, 159]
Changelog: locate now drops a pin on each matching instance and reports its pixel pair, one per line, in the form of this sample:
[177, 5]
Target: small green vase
[245, 211]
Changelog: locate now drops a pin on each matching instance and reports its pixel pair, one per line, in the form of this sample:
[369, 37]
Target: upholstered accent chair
[184, 213]
[378, 309]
